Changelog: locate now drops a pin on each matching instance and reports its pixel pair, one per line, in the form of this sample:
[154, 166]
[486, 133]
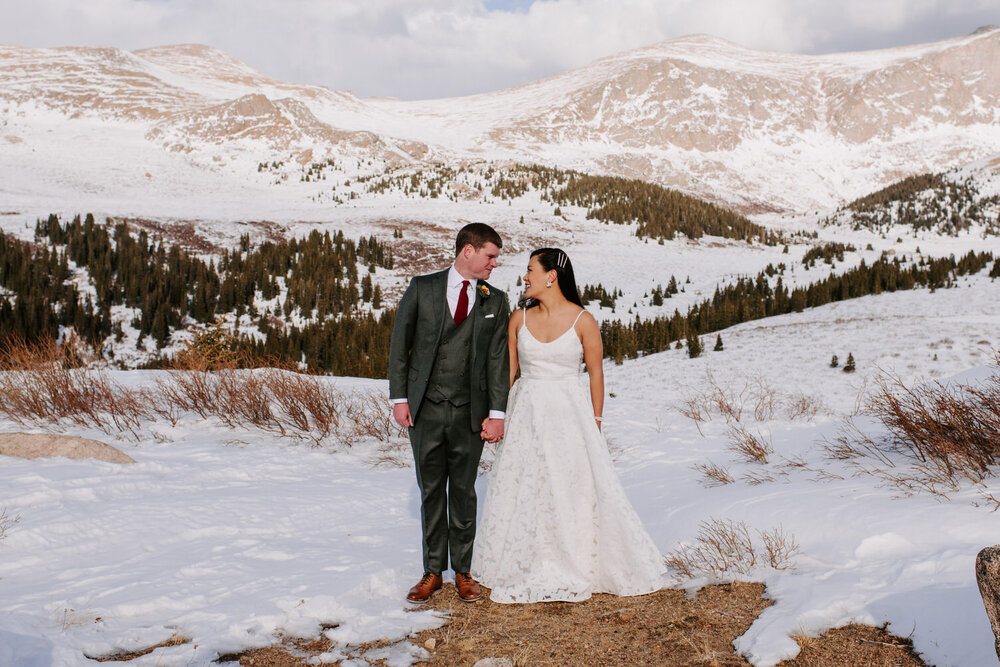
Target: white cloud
[435, 48]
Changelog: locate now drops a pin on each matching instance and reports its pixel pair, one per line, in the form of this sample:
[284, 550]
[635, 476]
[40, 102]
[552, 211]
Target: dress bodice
[557, 359]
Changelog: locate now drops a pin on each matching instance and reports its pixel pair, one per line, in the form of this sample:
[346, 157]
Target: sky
[419, 49]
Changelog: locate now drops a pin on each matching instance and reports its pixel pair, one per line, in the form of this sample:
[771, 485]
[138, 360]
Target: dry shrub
[714, 475]
[370, 416]
[990, 501]
[753, 447]
[6, 522]
[945, 434]
[758, 478]
[283, 402]
[721, 546]
[44, 382]
[779, 547]
[803, 406]
[724, 546]
[756, 396]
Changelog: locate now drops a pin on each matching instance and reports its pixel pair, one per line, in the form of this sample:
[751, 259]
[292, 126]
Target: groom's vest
[449, 380]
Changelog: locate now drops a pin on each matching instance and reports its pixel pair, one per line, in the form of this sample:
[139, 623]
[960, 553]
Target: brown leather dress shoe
[468, 589]
[425, 588]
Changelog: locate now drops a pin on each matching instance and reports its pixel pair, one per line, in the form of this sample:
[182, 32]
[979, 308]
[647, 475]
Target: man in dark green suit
[449, 374]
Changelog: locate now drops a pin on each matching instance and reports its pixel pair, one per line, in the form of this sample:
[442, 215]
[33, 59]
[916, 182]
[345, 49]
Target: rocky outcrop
[36, 445]
[988, 576]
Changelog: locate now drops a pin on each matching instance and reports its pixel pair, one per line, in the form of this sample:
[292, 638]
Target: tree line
[754, 298]
[308, 296]
[311, 280]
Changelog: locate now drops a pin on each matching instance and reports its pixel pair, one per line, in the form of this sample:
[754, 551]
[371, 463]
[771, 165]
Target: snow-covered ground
[227, 537]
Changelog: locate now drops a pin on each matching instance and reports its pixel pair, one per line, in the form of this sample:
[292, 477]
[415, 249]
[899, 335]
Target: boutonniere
[484, 292]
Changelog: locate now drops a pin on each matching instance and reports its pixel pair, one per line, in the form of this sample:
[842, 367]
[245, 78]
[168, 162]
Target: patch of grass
[725, 547]
[663, 628]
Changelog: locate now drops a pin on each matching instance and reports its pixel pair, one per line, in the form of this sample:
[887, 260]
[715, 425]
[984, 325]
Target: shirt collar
[455, 278]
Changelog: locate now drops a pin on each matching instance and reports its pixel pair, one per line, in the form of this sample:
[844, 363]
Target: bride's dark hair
[554, 259]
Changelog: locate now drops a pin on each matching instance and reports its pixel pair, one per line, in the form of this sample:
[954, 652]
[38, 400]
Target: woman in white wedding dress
[556, 522]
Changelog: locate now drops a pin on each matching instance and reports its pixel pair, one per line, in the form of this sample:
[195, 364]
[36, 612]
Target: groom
[448, 379]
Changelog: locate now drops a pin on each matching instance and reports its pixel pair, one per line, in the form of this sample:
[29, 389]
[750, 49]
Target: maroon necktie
[462, 309]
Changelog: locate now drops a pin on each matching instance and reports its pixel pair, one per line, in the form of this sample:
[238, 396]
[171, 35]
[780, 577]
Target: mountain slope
[757, 131]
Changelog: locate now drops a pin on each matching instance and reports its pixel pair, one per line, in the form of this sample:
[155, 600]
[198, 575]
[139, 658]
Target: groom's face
[480, 263]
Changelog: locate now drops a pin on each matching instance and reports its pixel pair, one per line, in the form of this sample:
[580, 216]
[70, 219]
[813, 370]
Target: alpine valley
[803, 213]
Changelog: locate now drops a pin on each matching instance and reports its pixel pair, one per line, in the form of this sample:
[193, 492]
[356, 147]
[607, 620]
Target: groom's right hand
[401, 413]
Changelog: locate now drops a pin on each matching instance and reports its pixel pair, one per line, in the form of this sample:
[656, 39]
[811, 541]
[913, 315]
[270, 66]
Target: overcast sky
[416, 49]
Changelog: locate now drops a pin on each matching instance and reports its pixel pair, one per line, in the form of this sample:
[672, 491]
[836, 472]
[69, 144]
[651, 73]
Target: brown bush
[44, 383]
[945, 433]
[715, 475]
[753, 447]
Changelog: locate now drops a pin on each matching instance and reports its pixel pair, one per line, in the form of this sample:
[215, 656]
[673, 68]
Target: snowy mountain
[758, 131]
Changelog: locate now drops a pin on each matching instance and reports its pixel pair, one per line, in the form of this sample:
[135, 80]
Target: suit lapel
[474, 314]
[439, 295]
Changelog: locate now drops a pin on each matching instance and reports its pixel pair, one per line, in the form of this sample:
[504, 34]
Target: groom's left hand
[492, 430]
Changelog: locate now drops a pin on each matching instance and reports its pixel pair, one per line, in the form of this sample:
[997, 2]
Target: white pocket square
[488, 316]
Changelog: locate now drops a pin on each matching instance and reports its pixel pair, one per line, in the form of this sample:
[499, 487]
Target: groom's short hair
[476, 234]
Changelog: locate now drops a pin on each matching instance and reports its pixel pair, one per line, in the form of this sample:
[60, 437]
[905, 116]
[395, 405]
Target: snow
[227, 537]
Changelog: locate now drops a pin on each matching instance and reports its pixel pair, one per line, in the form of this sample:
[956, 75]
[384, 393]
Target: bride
[556, 523]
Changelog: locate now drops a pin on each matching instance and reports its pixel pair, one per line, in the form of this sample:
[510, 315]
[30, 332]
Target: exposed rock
[988, 576]
[36, 445]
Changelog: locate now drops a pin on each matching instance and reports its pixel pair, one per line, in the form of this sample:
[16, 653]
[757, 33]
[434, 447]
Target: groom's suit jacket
[416, 336]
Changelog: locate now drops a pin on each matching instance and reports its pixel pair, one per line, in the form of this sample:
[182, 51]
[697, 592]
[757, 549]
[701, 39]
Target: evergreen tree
[693, 344]
[849, 364]
[718, 343]
[834, 361]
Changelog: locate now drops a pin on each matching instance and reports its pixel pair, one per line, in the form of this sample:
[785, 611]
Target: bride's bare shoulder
[516, 319]
[584, 320]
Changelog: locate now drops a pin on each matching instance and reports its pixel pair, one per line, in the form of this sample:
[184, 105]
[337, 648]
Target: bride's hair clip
[561, 260]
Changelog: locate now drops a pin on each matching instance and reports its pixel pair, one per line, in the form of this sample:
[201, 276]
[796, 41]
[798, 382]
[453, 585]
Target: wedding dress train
[556, 522]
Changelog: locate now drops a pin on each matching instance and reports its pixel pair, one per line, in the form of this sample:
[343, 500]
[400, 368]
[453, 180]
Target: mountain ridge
[757, 131]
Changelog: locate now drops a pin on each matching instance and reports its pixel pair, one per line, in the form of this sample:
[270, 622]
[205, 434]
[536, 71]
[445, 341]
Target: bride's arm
[512, 328]
[593, 357]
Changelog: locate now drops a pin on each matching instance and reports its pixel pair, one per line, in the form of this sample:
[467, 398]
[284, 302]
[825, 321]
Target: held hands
[492, 430]
[401, 413]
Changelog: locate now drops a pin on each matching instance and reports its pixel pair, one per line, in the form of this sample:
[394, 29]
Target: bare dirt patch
[662, 628]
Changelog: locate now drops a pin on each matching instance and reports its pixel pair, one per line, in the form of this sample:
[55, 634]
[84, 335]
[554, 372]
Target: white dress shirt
[454, 290]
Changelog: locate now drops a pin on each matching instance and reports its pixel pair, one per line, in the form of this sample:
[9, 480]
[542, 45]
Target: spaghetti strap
[577, 318]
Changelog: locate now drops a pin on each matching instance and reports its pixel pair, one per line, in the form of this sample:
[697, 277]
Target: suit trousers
[446, 452]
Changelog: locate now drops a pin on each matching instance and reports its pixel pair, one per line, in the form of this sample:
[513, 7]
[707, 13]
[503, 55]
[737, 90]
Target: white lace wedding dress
[556, 522]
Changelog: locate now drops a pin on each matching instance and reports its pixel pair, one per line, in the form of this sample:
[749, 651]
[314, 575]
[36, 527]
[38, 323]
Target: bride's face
[535, 278]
